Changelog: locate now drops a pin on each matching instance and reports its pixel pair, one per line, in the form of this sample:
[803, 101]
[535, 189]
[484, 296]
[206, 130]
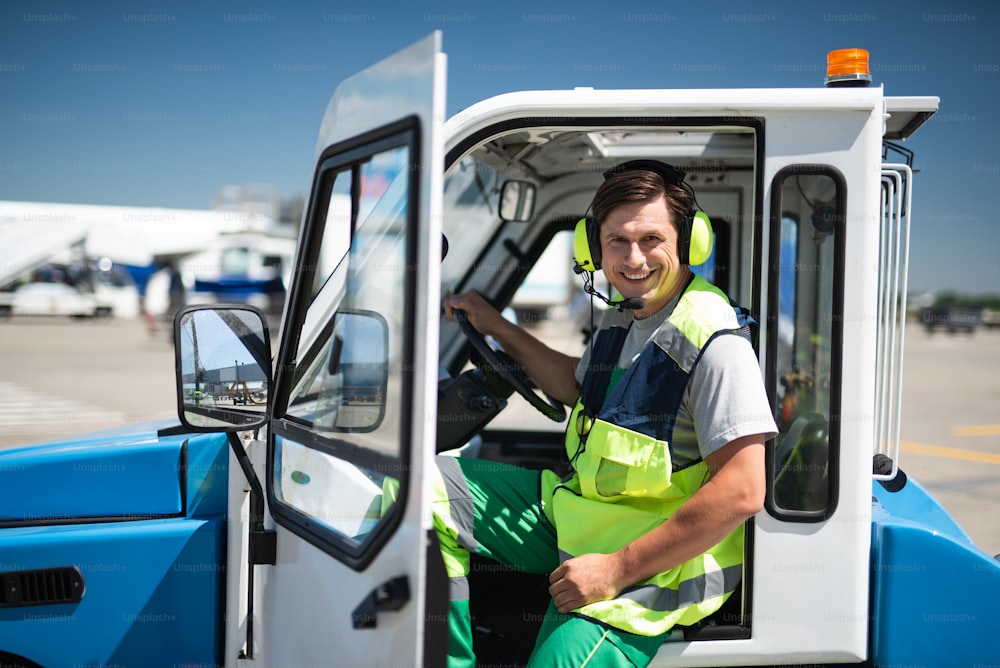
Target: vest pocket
[611, 478]
[618, 462]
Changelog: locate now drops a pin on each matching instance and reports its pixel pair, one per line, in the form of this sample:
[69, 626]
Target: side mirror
[353, 397]
[223, 367]
[517, 200]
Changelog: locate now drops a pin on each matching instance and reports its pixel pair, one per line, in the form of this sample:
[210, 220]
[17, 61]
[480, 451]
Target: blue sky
[160, 104]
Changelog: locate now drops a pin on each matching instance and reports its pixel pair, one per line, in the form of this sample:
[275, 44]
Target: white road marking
[23, 409]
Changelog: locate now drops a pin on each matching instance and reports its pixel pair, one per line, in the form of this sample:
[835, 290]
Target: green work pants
[496, 511]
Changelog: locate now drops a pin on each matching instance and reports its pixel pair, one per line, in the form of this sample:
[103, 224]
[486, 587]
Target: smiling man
[666, 442]
[639, 244]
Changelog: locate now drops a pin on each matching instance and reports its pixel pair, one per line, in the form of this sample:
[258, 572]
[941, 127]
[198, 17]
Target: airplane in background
[131, 257]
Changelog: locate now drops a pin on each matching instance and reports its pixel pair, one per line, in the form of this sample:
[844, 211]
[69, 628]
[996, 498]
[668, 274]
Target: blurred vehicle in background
[951, 318]
[97, 288]
[247, 268]
[48, 298]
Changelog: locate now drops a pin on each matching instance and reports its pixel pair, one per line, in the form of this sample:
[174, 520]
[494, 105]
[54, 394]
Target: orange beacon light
[847, 67]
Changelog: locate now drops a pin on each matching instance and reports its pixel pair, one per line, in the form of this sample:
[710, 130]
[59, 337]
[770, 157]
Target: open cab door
[352, 433]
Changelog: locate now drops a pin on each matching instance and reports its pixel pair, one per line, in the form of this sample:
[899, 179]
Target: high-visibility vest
[625, 483]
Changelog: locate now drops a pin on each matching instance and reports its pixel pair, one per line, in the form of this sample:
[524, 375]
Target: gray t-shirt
[724, 399]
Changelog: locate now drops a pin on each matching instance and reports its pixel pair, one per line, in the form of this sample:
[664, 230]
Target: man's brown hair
[640, 185]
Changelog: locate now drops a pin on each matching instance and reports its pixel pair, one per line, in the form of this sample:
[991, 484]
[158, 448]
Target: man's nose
[634, 256]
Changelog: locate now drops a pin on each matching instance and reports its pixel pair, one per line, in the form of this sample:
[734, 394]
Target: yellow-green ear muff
[586, 246]
[702, 239]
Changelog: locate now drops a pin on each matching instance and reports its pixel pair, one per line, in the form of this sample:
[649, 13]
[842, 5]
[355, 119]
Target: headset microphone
[630, 303]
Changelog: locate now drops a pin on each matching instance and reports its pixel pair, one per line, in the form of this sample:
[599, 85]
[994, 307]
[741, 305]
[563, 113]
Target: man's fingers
[563, 599]
[453, 303]
[562, 591]
[460, 302]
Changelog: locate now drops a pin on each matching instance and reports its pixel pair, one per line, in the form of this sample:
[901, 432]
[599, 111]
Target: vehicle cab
[328, 543]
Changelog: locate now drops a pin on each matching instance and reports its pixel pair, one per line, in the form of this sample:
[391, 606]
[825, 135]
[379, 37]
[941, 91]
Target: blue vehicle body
[934, 593]
[142, 520]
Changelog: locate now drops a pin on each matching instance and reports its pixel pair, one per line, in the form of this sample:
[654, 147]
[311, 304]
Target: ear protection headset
[695, 238]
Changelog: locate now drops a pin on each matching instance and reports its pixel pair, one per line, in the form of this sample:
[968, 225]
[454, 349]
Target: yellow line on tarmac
[949, 453]
[977, 430]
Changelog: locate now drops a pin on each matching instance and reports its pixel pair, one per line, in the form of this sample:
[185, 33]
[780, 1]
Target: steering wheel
[509, 370]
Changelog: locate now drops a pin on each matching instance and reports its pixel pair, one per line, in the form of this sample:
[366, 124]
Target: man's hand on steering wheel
[477, 319]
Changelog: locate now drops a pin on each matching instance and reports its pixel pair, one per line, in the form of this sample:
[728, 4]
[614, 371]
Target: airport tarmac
[61, 377]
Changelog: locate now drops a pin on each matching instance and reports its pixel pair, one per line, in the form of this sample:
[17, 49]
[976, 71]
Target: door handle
[389, 596]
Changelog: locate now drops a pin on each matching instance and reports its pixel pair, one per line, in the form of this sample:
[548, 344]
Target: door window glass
[340, 449]
[337, 230]
[804, 344]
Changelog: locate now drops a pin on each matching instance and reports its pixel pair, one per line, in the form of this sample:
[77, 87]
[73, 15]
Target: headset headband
[670, 174]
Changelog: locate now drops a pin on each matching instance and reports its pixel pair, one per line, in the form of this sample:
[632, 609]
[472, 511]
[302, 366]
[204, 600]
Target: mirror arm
[173, 430]
[262, 544]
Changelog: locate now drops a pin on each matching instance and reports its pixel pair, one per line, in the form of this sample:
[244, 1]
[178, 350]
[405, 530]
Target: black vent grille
[46, 586]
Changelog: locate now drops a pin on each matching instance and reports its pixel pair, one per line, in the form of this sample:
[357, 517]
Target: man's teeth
[637, 277]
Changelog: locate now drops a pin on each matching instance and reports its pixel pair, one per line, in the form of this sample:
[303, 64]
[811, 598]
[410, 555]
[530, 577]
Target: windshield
[471, 197]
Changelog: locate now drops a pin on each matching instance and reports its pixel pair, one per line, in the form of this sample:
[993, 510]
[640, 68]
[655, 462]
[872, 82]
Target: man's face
[639, 253]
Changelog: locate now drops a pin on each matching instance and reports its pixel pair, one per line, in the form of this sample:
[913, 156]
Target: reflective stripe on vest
[625, 484]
